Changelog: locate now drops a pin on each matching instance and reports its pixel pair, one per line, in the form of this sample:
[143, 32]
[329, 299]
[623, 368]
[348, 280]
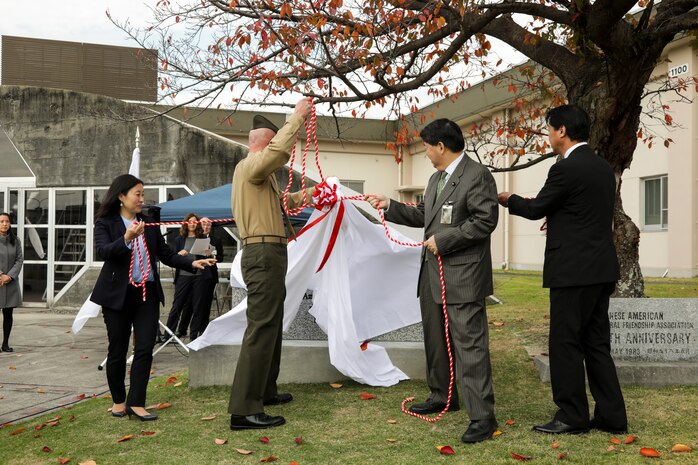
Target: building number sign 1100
[678, 70]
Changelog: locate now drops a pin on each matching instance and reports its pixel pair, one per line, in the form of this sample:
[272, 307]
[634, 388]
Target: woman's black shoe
[120, 414]
[7, 348]
[149, 417]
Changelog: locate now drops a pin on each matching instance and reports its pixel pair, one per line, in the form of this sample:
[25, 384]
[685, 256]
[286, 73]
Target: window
[354, 185]
[656, 203]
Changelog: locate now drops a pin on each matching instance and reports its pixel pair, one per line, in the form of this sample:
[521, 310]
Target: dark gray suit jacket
[464, 244]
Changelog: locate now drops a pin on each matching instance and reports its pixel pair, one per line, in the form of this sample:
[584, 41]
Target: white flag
[135, 168]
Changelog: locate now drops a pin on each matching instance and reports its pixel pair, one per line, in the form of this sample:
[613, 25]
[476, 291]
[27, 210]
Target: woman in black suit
[131, 299]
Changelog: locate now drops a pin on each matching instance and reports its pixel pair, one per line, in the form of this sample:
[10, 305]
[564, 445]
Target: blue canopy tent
[214, 204]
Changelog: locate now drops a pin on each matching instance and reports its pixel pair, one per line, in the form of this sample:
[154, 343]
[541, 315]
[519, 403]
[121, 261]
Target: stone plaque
[654, 330]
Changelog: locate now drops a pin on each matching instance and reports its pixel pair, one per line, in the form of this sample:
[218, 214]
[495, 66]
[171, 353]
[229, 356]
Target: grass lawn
[337, 427]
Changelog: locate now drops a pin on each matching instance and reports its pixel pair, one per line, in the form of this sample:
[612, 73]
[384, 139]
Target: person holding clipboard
[188, 291]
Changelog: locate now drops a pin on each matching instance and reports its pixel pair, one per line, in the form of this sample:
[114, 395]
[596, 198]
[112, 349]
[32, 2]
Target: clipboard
[199, 246]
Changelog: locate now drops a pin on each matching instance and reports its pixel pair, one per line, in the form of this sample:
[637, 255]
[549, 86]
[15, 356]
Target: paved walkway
[51, 368]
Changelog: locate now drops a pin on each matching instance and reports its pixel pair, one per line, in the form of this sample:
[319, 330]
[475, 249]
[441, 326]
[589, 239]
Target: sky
[71, 20]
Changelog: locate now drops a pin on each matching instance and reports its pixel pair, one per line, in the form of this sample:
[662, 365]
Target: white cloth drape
[366, 288]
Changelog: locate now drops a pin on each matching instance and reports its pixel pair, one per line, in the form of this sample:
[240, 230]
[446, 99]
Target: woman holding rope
[129, 291]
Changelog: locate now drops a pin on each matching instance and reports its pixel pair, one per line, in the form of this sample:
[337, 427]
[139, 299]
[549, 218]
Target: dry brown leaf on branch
[128, 437]
[243, 451]
[680, 448]
[366, 396]
[519, 457]
[271, 458]
[446, 450]
[649, 452]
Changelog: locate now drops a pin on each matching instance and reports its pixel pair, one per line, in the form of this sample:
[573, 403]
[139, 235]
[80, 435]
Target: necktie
[442, 183]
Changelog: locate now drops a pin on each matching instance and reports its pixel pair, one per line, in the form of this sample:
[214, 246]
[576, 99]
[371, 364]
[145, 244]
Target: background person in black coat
[119, 228]
[581, 270]
[207, 283]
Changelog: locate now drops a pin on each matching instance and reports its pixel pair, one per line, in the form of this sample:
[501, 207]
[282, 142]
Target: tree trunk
[627, 239]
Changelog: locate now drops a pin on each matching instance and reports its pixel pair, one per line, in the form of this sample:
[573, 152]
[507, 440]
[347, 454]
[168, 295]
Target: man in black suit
[581, 270]
[209, 279]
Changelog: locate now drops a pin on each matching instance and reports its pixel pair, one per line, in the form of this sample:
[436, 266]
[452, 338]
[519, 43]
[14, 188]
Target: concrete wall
[76, 139]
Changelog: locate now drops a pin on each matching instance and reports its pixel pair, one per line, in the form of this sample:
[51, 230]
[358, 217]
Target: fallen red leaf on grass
[562, 456]
[446, 450]
[366, 396]
[392, 422]
[299, 440]
[615, 441]
[264, 439]
[212, 417]
[63, 461]
[220, 442]
[54, 419]
[54, 423]
[629, 439]
[37, 435]
[520, 457]
[147, 433]
[336, 385]
[497, 323]
[88, 462]
[46, 449]
[271, 458]
[680, 448]
[170, 380]
[610, 448]
[40, 391]
[163, 405]
[243, 451]
[17, 431]
[128, 437]
[649, 452]
[40, 427]
[72, 418]
[294, 463]
[555, 445]
[509, 422]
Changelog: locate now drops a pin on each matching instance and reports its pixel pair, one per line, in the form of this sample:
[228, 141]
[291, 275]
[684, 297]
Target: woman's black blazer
[112, 283]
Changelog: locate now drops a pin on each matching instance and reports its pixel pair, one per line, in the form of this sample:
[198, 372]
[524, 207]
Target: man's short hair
[573, 118]
[445, 131]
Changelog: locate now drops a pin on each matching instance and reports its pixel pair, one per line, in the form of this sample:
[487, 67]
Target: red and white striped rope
[145, 270]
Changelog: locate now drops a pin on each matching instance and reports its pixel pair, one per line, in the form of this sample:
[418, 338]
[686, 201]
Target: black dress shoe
[430, 406]
[7, 348]
[279, 398]
[148, 417]
[479, 430]
[595, 424]
[118, 414]
[256, 421]
[558, 427]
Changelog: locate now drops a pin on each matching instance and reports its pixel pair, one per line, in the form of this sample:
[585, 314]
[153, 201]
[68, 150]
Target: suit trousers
[188, 294]
[202, 308]
[264, 272]
[143, 317]
[469, 346]
[580, 335]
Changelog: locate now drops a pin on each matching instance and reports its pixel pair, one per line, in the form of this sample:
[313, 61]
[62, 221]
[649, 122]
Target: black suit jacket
[112, 283]
[578, 200]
